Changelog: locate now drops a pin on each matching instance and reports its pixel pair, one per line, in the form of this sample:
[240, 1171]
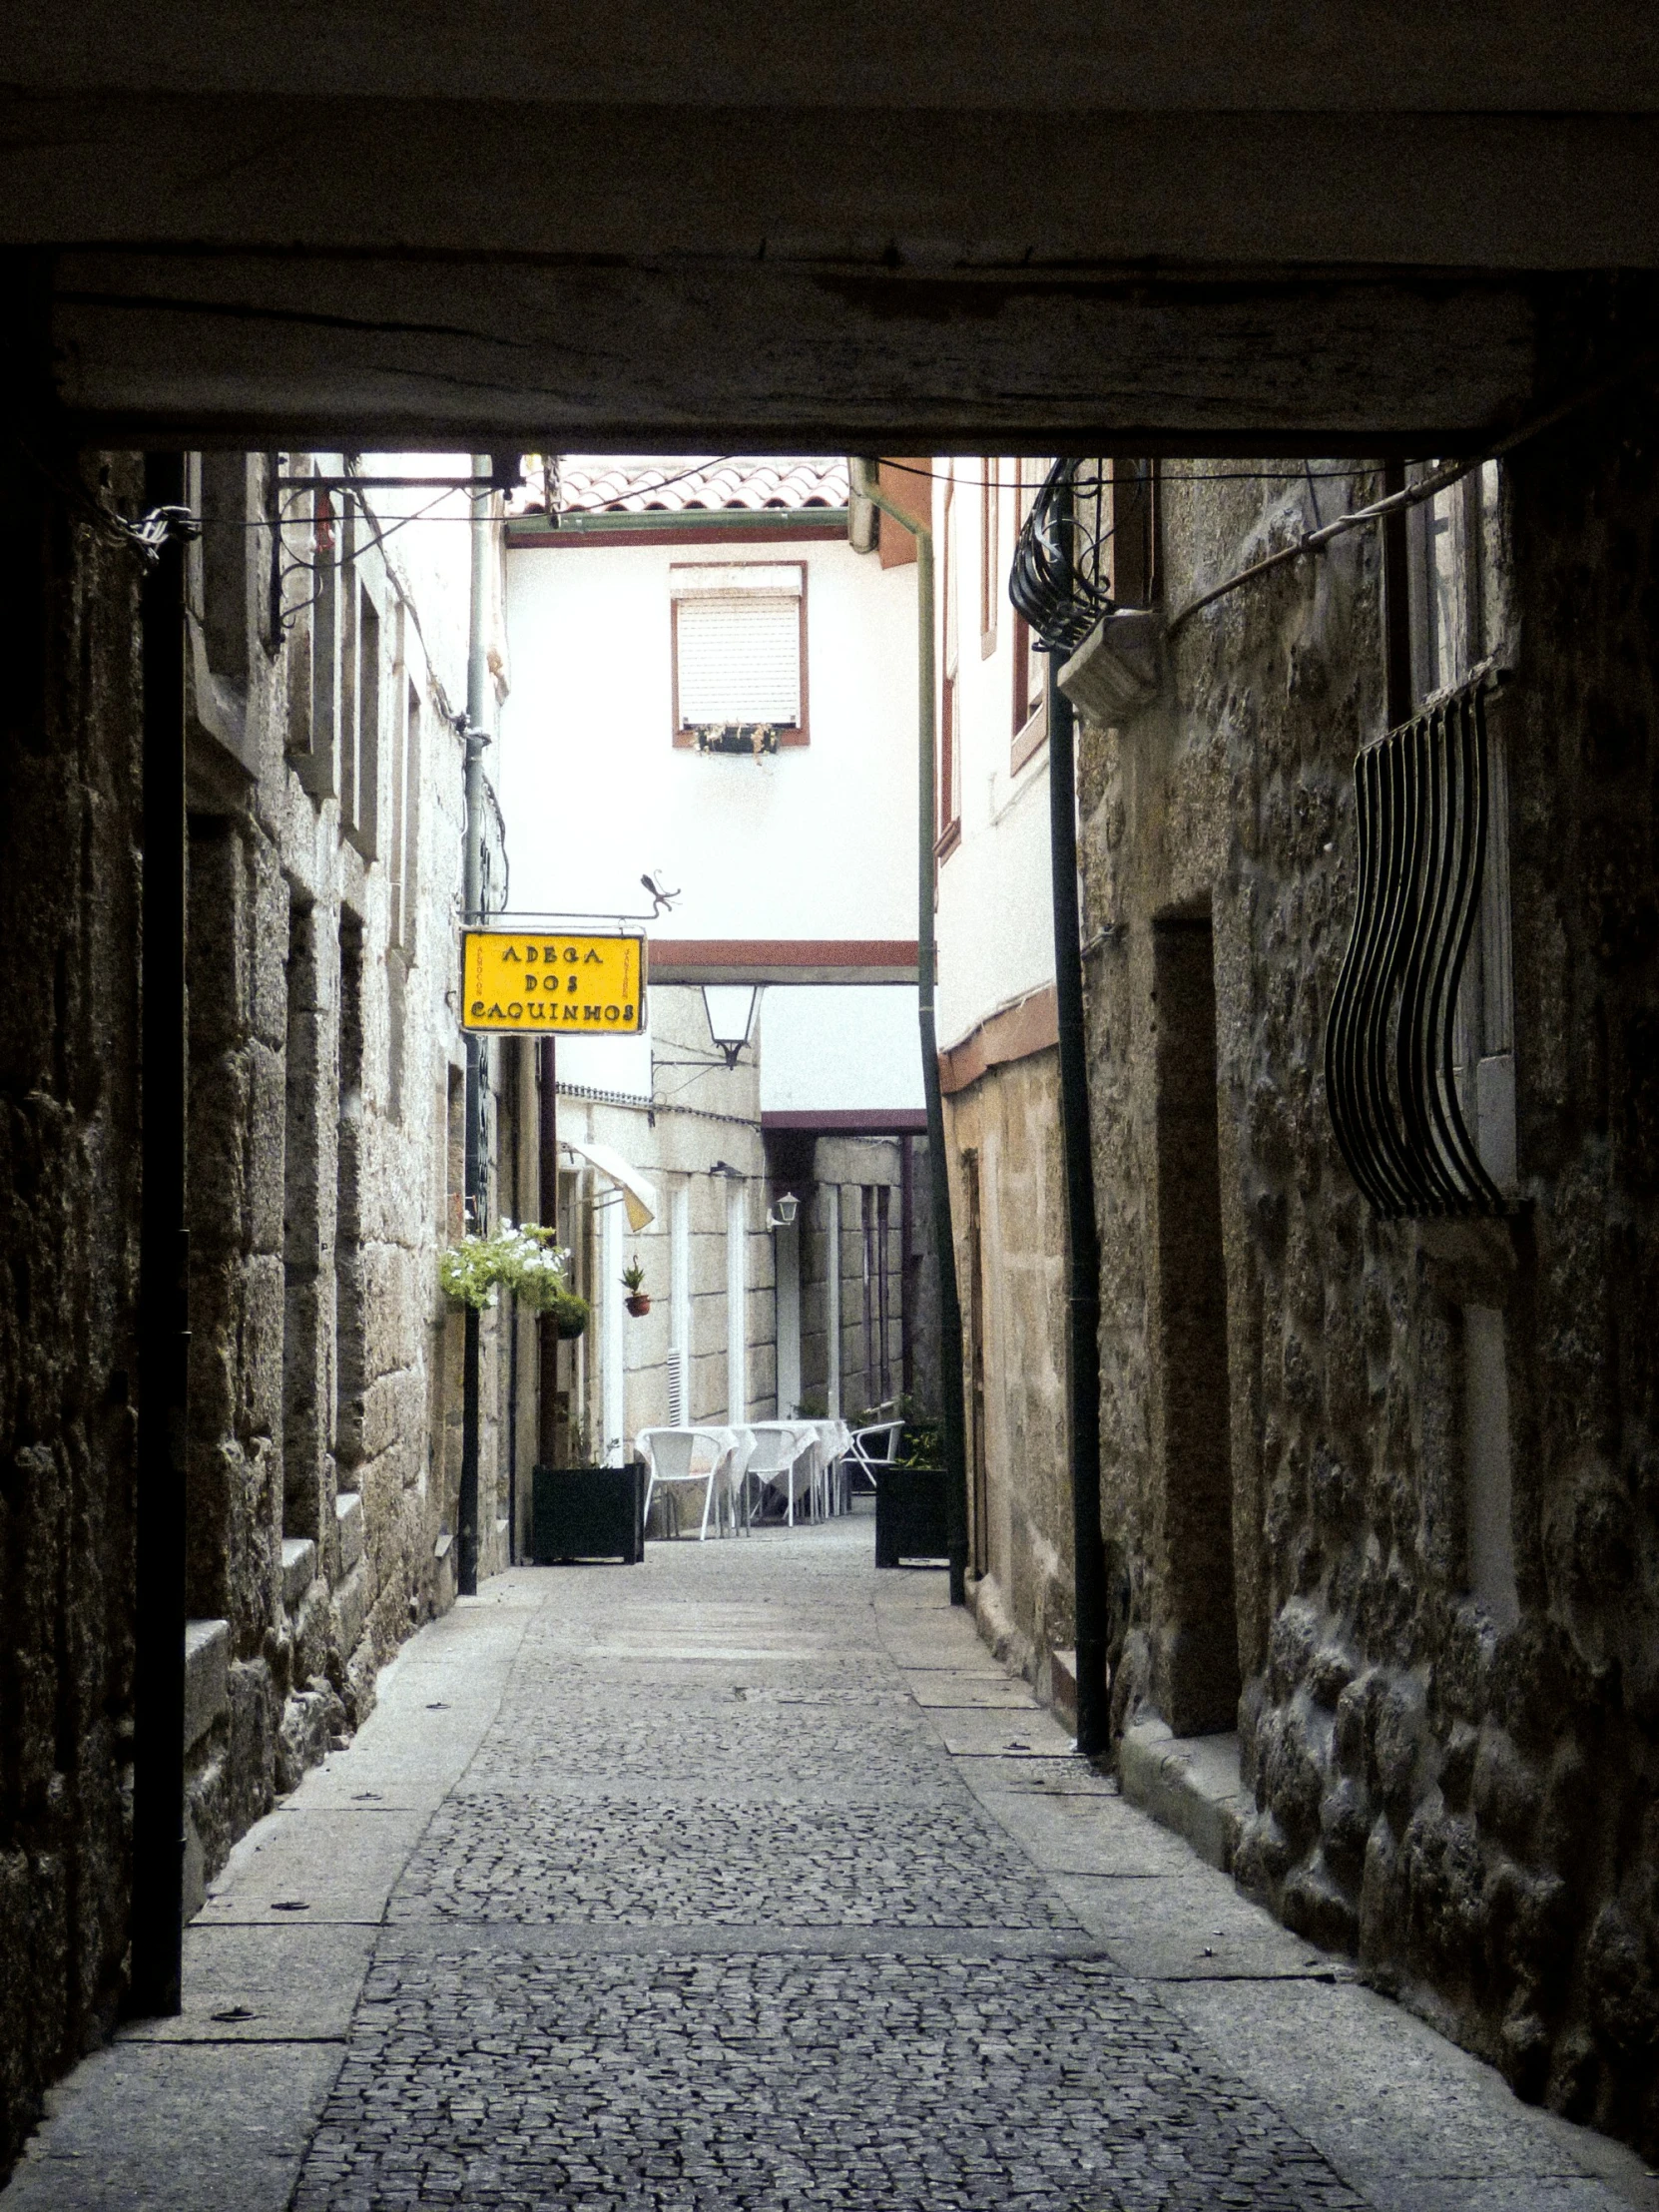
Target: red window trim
[684, 740]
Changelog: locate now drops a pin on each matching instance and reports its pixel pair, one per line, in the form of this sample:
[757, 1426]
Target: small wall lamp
[730, 1008]
[781, 1215]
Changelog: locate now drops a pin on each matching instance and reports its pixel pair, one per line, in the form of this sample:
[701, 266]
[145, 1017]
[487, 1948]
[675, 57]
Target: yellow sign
[586, 986]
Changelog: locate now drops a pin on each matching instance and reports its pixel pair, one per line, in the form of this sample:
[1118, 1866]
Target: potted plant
[638, 1300]
[588, 1513]
[911, 1517]
[580, 1512]
[523, 1259]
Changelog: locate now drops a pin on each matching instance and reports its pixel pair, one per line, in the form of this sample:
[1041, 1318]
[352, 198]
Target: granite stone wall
[324, 1175]
[324, 868]
[1007, 1200]
[1454, 1766]
[69, 1192]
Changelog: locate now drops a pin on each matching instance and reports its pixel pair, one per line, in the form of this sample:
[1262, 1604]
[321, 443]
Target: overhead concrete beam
[1054, 55]
[467, 356]
[277, 265]
[901, 189]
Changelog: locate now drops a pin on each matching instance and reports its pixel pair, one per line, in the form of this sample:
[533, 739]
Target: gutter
[704, 525]
[865, 488]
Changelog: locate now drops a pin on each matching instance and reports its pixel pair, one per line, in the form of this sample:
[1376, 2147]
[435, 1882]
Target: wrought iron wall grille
[1061, 577]
[1423, 798]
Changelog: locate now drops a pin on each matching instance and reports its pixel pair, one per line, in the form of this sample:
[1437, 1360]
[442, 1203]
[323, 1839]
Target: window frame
[685, 737]
[990, 548]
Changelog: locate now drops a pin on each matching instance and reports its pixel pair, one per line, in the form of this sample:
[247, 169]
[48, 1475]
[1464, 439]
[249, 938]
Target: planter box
[589, 1513]
[910, 1515]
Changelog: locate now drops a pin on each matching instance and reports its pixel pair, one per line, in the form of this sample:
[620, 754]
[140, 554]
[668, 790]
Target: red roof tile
[635, 484]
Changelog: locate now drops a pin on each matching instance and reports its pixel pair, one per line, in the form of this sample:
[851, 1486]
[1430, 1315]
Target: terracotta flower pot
[638, 1303]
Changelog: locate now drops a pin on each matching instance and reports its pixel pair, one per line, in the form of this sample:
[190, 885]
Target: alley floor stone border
[744, 1879]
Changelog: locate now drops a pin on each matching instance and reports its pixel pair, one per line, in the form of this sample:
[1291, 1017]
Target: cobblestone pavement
[713, 1921]
[747, 1878]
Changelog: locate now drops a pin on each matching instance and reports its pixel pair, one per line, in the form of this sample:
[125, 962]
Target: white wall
[840, 1047]
[816, 841]
[995, 920]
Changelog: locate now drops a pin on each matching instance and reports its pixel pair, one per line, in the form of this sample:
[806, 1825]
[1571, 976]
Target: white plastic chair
[834, 1442]
[673, 1455]
[734, 1472]
[786, 1455]
[872, 1448]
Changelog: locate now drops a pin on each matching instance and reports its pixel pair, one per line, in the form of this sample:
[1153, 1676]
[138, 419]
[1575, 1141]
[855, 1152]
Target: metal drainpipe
[951, 1309]
[164, 1309]
[1082, 1234]
[477, 685]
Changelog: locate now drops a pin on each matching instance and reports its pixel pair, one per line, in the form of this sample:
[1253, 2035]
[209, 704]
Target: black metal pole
[547, 1180]
[1082, 1234]
[466, 1581]
[164, 1313]
[512, 1312]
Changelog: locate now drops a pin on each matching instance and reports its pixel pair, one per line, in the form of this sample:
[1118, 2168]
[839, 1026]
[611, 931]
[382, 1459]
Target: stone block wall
[1454, 1774]
[1007, 1200]
[863, 1179]
[326, 790]
[68, 1195]
[321, 1046]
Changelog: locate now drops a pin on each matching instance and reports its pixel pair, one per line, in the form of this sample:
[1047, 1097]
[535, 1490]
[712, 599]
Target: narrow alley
[828, 1108]
[750, 1880]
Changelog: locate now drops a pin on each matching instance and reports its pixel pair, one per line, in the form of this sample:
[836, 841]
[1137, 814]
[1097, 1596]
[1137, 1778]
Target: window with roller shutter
[740, 649]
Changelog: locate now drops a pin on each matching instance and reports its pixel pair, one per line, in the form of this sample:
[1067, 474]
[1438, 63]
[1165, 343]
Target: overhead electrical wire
[1415, 495]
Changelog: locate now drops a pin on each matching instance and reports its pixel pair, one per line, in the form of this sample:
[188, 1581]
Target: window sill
[685, 741]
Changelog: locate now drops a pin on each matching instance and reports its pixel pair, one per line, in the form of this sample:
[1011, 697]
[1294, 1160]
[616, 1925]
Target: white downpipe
[832, 1286]
[612, 1383]
[736, 1300]
[678, 1294]
[787, 1265]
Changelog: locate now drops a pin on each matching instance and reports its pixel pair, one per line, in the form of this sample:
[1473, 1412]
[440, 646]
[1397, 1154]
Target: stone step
[348, 1517]
[207, 1677]
[1189, 1783]
[299, 1570]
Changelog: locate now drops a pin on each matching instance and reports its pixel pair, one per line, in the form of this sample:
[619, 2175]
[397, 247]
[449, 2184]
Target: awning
[637, 1196]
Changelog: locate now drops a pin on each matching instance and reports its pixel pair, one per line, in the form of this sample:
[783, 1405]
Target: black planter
[589, 1513]
[910, 1515]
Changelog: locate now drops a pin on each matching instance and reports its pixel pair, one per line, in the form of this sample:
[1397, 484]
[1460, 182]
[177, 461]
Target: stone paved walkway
[745, 1879]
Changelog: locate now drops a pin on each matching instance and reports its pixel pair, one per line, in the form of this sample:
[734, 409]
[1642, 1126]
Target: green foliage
[570, 1313]
[924, 1444]
[633, 1277]
[813, 1404]
[524, 1259]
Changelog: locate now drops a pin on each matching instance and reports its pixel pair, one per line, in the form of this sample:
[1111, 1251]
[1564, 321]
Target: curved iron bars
[1421, 800]
[1061, 579]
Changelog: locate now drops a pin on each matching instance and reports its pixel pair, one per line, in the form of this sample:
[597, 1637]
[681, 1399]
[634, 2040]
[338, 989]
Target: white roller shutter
[738, 645]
